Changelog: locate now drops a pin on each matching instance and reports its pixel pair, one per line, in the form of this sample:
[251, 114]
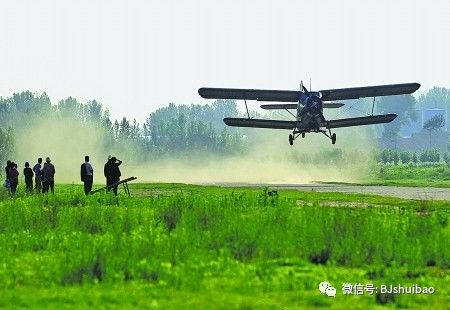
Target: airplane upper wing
[293, 96]
[359, 121]
[250, 94]
[369, 91]
[259, 123]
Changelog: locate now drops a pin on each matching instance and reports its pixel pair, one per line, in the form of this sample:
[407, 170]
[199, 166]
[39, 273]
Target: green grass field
[185, 246]
[409, 175]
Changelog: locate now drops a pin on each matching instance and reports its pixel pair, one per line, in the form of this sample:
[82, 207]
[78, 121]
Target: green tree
[446, 159]
[385, 156]
[6, 145]
[430, 156]
[405, 157]
[395, 157]
[403, 106]
[184, 128]
[434, 123]
[424, 157]
[93, 112]
[437, 97]
[415, 158]
[70, 107]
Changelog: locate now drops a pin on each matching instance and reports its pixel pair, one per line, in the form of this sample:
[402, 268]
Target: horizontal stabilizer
[259, 123]
[293, 106]
[359, 121]
[332, 105]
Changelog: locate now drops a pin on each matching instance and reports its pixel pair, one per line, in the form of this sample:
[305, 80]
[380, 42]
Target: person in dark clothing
[8, 166]
[37, 169]
[13, 178]
[112, 173]
[7, 181]
[28, 173]
[48, 173]
[106, 168]
[87, 175]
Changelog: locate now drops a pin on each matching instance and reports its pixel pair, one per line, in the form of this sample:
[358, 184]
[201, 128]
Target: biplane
[309, 107]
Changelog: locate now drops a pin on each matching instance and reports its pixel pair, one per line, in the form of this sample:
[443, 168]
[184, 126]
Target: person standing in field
[37, 169]
[13, 178]
[107, 169]
[7, 181]
[87, 175]
[8, 166]
[48, 174]
[112, 173]
[28, 173]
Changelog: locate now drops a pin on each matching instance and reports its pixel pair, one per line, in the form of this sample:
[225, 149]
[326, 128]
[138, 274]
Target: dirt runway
[419, 193]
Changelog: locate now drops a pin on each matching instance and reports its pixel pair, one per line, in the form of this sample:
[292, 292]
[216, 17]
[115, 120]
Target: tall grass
[183, 238]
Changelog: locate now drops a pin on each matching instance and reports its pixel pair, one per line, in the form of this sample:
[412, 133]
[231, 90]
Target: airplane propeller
[303, 91]
[302, 87]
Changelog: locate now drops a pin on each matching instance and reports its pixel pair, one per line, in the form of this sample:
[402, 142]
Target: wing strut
[290, 112]
[248, 114]
[373, 104]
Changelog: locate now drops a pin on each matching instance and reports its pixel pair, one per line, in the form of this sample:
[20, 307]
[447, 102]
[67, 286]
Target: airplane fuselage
[309, 112]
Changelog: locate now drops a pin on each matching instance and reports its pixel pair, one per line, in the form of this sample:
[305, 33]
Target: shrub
[405, 157]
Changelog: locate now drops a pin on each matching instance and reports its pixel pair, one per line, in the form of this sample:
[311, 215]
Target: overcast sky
[136, 56]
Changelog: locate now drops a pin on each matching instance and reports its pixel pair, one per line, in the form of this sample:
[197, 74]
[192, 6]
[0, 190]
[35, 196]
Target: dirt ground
[419, 193]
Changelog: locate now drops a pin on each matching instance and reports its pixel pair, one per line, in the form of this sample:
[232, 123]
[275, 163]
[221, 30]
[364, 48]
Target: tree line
[175, 129]
[396, 157]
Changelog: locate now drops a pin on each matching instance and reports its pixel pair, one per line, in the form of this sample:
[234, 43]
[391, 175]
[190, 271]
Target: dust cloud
[66, 141]
[268, 158]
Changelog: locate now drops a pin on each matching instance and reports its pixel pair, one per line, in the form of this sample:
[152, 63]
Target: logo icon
[327, 289]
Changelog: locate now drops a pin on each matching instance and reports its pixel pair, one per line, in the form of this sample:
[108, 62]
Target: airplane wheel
[333, 138]
[291, 139]
[303, 134]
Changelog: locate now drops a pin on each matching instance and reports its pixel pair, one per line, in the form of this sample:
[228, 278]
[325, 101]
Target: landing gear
[330, 135]
[294, 136]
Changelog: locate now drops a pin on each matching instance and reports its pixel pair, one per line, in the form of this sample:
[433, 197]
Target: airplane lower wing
[259, 123]
[336, 123]
[359, 121]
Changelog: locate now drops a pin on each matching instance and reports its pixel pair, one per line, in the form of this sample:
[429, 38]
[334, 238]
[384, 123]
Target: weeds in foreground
[230, 241]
